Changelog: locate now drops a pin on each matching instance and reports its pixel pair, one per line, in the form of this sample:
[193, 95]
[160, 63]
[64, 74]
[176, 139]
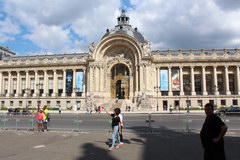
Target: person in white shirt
[121, 121]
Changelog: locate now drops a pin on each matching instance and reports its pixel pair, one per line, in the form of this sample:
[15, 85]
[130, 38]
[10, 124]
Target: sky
[30, 27]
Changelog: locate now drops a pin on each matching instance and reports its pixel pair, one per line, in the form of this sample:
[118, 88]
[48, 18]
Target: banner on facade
[164, 80]
[69, 82]
[175, 80]
[79, 82]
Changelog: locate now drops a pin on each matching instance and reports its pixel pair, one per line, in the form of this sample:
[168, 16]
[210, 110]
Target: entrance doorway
[120, 82]
[176, 103]
[165, 105]
[120, 90]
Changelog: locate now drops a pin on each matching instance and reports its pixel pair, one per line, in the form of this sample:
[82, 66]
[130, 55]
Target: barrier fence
[148, 123]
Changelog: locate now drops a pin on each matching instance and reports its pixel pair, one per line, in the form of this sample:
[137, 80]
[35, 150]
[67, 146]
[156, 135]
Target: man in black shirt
[212, 134]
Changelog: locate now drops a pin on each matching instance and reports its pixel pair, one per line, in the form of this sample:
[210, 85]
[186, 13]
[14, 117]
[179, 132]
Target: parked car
[229, 111]
[14, 111]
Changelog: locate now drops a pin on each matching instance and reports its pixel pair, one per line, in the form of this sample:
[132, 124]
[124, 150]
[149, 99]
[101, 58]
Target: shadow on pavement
[92, 152]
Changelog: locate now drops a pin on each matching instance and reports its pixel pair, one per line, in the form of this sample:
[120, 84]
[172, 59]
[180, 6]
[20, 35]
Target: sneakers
[118, 146]
[111, 148]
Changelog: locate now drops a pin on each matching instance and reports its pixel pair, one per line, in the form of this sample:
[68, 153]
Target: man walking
[45, 118]
[212, 134]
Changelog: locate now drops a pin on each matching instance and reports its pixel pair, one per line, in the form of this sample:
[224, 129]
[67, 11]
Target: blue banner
[79, 82]
[164, 80]
[69, 82]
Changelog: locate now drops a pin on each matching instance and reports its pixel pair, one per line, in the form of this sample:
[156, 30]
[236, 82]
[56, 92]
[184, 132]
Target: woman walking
[116, 127]
[40, 120]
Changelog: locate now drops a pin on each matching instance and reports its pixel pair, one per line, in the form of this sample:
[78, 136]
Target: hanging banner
[79, 82]
[164, 80]
[175, 80]
[69, 82]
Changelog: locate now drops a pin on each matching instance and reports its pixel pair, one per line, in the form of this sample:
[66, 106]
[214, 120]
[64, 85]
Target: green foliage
[4, 108]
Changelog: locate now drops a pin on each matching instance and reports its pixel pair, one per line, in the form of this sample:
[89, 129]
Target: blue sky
[67, 26]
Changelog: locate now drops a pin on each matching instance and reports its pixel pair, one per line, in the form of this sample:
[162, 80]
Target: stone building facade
[122, 65]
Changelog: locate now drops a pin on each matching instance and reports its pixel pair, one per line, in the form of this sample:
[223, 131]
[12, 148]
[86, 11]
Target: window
[58, 103]
[29, 103]
[3, 103]
[20, 103]
[199, 103]
[78, 105]
[188, 102]
[50, 83]
[11, 103]
[48, 103]
[32, 83]
[223, 102]
[235, 102]
[14, 84]
[68, 104]
[23, 83]
[60, 83]
[6, 84]
[41, 82]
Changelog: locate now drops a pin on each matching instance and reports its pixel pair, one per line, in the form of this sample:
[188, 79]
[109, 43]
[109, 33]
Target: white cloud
[68, 26]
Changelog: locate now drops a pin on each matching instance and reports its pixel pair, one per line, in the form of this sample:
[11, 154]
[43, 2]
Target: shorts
[39, 122]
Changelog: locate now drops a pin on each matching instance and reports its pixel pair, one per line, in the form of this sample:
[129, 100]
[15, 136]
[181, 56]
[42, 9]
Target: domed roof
[123, 27]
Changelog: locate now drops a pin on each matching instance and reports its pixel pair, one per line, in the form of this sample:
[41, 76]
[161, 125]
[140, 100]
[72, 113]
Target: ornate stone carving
[91, 49]
[146, 48]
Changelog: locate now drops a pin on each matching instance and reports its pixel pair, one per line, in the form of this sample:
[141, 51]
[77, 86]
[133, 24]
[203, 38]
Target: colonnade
[14, 82]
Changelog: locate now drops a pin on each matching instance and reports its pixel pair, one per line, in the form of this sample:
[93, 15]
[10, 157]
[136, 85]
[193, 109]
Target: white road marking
[39, 146]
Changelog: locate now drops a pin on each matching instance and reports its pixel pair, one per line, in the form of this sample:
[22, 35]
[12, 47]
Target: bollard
[187, 121]
[4, 122]
[77, 121]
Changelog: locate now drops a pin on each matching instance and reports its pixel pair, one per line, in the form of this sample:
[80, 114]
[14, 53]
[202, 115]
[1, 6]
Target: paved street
[166, 145]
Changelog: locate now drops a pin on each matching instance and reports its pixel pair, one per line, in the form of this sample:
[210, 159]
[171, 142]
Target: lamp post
[188, 86]
[215, 88]
[39, 85]
[157, 88]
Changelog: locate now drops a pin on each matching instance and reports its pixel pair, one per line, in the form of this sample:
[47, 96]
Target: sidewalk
[167, 145]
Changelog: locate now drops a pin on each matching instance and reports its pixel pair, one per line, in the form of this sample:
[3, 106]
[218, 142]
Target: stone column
[141, 77]
[215, 80]
[170, 81]
[9, 84]
[37, 86]
[136, 78]
[227, 81]
[90, 79]
[1, 83]
[74, 83]
[204, 81]
[26, 87]
[192, 81]
[238, 80]
[54, 94]
[84, 82]
[64, 83]
[181, 80]
[146, 79]
[18, 84]
[45, 84]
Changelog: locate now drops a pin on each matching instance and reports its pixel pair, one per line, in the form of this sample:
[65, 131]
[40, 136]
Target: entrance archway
[120, 81]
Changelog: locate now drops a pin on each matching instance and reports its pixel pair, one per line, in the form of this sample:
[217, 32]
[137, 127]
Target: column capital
[226, 66]
[54, 70]
[203, 67]
[18, 71]
[169, 67]
[214, 66]
[64, 70]
[181, 67]
[192, 67]
[74, 69]
[27, 71]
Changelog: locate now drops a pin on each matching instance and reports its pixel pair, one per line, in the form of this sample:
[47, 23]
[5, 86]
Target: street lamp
[188, 88]
[39, 85]
[157, 88]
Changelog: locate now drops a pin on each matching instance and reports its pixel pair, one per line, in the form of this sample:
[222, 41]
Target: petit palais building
[121, 66]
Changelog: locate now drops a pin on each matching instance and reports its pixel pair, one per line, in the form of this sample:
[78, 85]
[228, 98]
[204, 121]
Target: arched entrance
[120, 81]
